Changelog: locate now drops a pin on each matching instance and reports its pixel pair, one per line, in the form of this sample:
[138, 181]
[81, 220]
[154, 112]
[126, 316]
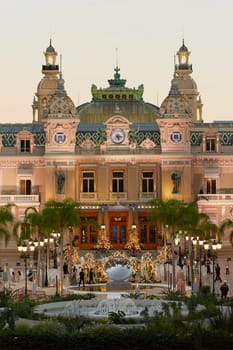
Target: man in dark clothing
[224, 289]
[91, 276]
[81, 277]
[217, 273]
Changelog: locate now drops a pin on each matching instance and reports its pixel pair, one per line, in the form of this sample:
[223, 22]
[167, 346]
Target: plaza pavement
[207, 279]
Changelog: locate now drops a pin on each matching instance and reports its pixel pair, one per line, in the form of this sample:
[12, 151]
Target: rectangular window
[25, 146]
[25, 187]
[88, 182]
[210, 145]
[211, 186]
[147, 181]
[117, 181]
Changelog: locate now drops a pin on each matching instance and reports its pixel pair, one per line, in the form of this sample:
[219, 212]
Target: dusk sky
[86, 33]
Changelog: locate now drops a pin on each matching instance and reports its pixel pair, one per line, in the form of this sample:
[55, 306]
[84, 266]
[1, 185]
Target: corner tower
[48, 84]
[186, 85]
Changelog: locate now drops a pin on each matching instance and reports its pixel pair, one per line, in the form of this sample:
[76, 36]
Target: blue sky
[87, 32]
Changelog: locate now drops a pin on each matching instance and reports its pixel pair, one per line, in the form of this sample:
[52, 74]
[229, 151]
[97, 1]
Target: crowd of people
[78, 275]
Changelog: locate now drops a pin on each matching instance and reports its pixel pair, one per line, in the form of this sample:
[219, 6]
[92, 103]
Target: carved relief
[147, 144]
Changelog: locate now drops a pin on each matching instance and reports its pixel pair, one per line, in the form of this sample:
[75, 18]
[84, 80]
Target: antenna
[116, 57]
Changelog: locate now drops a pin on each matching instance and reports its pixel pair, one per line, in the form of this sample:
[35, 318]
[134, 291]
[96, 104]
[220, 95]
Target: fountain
[114, 305]
[118, 270]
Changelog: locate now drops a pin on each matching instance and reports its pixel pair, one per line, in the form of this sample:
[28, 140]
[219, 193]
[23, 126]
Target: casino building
[115, 153]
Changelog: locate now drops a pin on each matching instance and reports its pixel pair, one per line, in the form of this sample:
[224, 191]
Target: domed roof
[46, 83]
[60, 103]
[100, 111]
[50, 48]
[183, 48]
[129, 100]
[174, 102]
[186, 82]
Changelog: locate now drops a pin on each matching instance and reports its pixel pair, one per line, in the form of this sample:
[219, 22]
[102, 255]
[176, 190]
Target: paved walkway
[207, 279]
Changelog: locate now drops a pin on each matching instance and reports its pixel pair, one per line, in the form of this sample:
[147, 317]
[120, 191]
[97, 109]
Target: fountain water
[114, 305]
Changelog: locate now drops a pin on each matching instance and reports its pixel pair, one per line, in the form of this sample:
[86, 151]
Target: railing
[19, 198]
[88, 196]
[217, 196]
[147, 196]
[118, 196]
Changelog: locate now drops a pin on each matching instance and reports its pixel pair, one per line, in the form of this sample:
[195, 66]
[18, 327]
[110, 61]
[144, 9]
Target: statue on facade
[60, 179]
[176, 177]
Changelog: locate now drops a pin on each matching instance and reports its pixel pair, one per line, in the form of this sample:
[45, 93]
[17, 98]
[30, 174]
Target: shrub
[6, 297]
[52, 327]
[7, 318]
[117, 317]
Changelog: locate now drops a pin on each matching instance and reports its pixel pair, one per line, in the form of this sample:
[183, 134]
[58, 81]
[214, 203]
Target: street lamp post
[25, 250]
[56, 236]
[47, 242]
[214, 246]
[198, 243]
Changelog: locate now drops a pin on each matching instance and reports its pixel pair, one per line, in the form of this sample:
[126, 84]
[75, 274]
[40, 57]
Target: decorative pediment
[117, 119]
[24, 134]
[147, 144]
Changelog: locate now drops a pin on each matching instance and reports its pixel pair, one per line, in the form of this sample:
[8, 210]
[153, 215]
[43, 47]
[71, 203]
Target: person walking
[81, 278]
[217, 273]
[227, 269]
[180, 281]
[224, 289]
[91, 276]
[65, 269]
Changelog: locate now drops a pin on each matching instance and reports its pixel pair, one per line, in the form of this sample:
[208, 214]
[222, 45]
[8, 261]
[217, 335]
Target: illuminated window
[147, 181]
[88, 181]
[89, 230]
[146, 231]
[117, 181]
[211, 186]
[25, 186]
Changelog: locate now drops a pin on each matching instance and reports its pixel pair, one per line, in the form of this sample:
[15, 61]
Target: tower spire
[116, 57]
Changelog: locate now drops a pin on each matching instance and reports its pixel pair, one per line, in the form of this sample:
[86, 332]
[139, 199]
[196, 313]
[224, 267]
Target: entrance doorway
[118, 231]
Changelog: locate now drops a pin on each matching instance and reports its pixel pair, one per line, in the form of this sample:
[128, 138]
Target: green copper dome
[129, 101]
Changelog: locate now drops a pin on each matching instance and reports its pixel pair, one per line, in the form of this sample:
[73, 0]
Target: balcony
[118, 196]
[147, 196]
[217, 197]
[27, 200]
[88, 196]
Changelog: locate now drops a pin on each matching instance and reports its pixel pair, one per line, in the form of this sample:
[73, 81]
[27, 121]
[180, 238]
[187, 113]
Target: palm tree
[34, 227]
[170, 214]
[62, 216]
[6, 217]
[227, 224]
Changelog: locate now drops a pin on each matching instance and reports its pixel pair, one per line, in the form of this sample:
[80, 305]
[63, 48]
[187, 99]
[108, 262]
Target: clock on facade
[60, 138]
[117, 136]
[176, 136]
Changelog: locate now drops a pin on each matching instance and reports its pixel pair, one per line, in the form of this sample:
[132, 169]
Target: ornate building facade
[116, 153]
